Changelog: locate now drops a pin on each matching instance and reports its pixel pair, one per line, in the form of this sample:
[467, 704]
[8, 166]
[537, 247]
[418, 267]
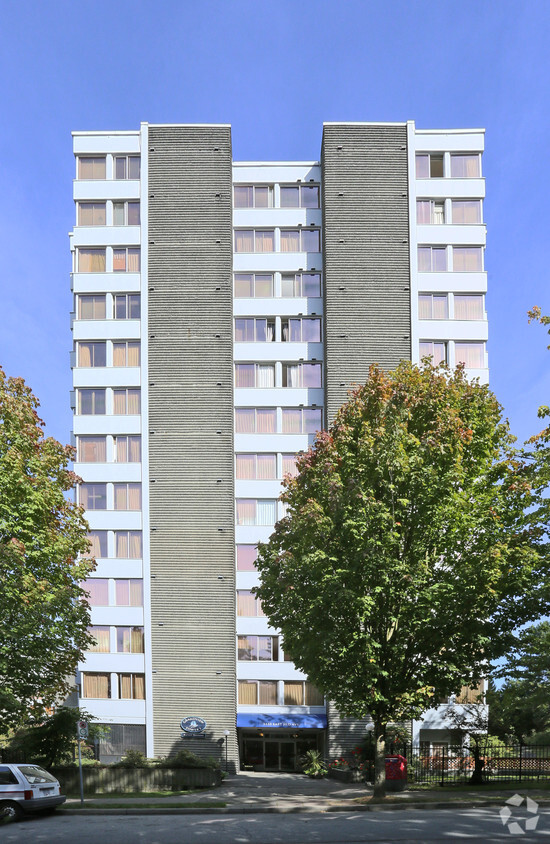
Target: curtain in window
[121, 497]
[244, 375]
[424, 307]
[292, 420]
[244, 285]
[95, 686]
[291, 375]
[119, 260]
[243, 196]
[245, 466]
[290, 241]
[246, 511]
[123, 640]
[263, 286]
[470, 354]
[424, 259]
[125, 686]
[270, 332]
[439, 305]
[439, 259]
[313, 696]
[246, 604]
[134, 496]
[289, 465]
[247, 648]
[246, 557]
[85, 354]
[423, 211]
[290, 286]
[136, 593]
[465, 166]
[93, 496]
[136, 637]
[268, 693]
[92, 449]
[102, 643]
[265, 648]
[422, 166]
[265, 375]
[467, 259]
[119, 402]
[98, 544]
[121, 538]
[134, 166]
[244, 330]
[468, 307]
[122, 595]
[266, 421]
[466, 211]
[311, 241]
[98, 591]
[248, 692]
[244, 240]
[122, 449]
[119, 354]
[264, 241]
[244, 420]
[134, 401]
[438, 214]
[91, 260]
[294, 694]
[265, 512]
[266, 467]
[135, 550]
[134, 260]
[134, 449]
[139, 686]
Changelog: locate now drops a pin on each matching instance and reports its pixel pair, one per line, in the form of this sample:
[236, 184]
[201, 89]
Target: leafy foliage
[412, 547]
[313, 765]
[51, 740]
[43, 621]
[132, 759]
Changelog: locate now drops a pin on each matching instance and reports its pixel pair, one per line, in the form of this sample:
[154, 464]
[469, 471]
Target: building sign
[268, 721]
[193, 726]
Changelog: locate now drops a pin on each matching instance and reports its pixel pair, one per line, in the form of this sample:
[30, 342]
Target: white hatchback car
[27, 788]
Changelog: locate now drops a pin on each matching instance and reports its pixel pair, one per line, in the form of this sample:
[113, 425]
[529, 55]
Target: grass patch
[97, 804]
[116, 795]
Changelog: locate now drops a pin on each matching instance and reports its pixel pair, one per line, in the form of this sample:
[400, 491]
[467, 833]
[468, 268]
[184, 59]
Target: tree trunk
[479, 764]
[379, 759]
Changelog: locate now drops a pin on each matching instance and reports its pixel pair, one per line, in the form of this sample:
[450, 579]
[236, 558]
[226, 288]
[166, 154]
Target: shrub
[133, 759]
[186, 759]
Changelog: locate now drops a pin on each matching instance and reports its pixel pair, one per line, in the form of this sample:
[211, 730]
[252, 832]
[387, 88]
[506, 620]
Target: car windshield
[34, 774]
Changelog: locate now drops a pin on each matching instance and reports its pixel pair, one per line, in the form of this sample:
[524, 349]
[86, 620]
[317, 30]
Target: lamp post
[226, 733]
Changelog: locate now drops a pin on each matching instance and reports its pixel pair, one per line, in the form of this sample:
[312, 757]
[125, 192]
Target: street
[328, 828]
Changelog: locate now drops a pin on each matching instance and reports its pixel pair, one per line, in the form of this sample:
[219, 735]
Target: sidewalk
[278, 792]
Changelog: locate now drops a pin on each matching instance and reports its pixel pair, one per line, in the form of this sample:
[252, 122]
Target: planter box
[346, 774]
[129, 780]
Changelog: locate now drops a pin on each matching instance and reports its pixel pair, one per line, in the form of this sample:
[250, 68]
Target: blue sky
[275, 71]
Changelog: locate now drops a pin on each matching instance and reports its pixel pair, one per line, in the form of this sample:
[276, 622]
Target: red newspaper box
[396, 773]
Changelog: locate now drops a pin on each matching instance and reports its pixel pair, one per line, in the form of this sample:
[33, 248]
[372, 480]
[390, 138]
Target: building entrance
[272, 752]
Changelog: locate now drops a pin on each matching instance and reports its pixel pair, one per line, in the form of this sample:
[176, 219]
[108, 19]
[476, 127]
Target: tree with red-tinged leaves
[44, 618]
[412, 547]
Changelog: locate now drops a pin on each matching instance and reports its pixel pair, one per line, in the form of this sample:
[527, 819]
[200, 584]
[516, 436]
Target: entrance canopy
[269, 721]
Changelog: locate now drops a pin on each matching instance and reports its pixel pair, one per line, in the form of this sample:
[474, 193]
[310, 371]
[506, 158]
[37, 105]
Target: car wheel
[9, 811]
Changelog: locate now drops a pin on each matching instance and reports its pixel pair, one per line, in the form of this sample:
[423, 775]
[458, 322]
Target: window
[299, 196]
[92, 449]
[126, 353]
[289, 465]
[300, 284]
[96, 686]
[91, 402]
[127, 496]
[98, 544]
[258, 648]
[92, 213]
[300, 240]
[301, 330]
[253, 196]
[255, 420]
[300, 693]
[466, 211]
[126, 214]
[129, 640]
[429, 165]
[127, 449]
[302, 420]
[254, 330]
[128, 545]
[92, 353]
[93, 496]
[91, 167]
[433, 306]
[432, 259]
[91, 307]
[258, 692]
[254, 375]
[102, 640]
[301, 375]
[260, 467]
[127, 402]
[97, 589]
[253, 285]
[131, 686]
[126, 306]
[248, 605]
[127, 167]
[472, 355]
[127, 259]
[467, 259]
[430, 212]
[469, 306]
[129, 593]
[465, 166]
[91, 260]
[254, 240]
[252, 511]
[434, 349]
[246, 557]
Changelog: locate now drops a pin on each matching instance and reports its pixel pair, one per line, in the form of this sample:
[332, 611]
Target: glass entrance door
[271, 755]
[287, 755]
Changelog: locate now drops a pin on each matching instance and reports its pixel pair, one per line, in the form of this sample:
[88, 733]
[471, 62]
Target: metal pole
[226, 734]
[520, 760]
[80, 773]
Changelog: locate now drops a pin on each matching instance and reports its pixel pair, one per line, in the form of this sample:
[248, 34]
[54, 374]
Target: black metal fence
[451, 765]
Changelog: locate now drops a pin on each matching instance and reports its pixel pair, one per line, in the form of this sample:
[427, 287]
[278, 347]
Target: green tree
[410, 550]
[43, 619]
[51, 740]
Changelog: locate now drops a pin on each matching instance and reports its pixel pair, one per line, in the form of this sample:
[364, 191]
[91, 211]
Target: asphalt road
[444, 825]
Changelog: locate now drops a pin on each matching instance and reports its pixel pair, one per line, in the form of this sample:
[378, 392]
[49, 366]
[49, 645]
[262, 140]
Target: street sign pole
[81, 733]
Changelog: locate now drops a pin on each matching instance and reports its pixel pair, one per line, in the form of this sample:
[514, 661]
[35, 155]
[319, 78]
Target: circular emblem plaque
[193, 725]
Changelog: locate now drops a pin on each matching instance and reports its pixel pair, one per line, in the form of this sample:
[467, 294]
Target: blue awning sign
[269, 721]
